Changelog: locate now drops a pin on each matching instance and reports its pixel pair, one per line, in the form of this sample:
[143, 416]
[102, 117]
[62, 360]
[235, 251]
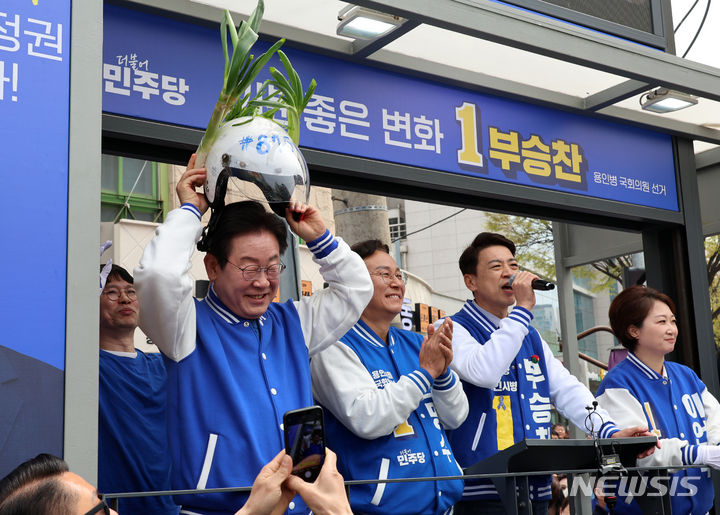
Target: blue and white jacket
[229, 379]
[511, 379]
[385, 418]
[677, 407]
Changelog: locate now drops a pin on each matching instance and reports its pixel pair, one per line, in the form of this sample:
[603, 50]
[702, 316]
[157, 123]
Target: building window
[130, 189]
[397, 226]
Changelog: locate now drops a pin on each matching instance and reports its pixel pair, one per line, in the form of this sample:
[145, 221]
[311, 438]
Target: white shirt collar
[132, 354]
[494, 319]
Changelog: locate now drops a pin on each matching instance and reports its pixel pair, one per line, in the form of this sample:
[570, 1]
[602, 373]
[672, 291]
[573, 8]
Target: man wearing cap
[237, 361]
[132, 443]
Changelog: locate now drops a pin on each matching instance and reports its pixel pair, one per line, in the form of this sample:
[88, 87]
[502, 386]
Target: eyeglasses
[388, 278]
[252, 272]
[101, 506]
[114, 295]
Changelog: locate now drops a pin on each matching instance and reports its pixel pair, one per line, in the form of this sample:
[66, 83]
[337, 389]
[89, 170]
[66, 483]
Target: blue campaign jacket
[517, 408]
[673, 408]
[417, 448]
[227, 399]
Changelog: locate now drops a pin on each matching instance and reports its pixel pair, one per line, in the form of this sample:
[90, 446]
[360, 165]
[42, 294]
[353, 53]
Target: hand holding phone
[327, 494]
[305, 441]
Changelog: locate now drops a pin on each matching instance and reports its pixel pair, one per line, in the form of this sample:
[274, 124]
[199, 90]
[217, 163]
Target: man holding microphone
[509, 373]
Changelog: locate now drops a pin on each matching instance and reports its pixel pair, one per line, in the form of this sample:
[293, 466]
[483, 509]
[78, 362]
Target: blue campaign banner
[171, 71]
[34, 110]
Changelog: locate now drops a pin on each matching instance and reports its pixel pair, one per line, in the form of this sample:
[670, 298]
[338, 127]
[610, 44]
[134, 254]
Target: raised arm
[450, 400]
[484, 364]
[328, 314]
[162, 279]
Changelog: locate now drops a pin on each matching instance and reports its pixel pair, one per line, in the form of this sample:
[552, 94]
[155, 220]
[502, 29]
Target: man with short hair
[133, 453]
[236, 360]
[509, 373]
[44, 486]
[389, 394]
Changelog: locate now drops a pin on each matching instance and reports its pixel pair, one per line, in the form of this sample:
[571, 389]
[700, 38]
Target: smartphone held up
[305, 441]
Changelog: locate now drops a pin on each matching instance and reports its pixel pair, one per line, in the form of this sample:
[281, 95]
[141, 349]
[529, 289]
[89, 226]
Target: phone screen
[305, 441]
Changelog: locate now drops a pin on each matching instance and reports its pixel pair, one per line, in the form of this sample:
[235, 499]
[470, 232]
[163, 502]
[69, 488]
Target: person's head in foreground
[643, 319]
[45, 486]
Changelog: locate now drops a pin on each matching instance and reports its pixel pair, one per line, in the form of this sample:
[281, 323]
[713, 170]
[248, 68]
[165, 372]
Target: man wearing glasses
[387, 391]
[132, 443]
[44, 485]
[237, 361]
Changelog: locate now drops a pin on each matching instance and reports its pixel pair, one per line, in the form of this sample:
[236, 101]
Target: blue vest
[417, 448]
[517, 408]
[673, 408]
[227, 399]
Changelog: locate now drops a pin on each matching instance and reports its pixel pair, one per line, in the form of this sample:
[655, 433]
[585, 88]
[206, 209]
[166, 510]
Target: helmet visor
[279, 184]
[258, 161]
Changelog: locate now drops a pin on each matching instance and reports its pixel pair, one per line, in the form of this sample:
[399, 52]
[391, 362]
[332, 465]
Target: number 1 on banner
[466, 114]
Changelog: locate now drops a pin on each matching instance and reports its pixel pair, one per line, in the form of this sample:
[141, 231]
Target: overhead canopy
[489, 46]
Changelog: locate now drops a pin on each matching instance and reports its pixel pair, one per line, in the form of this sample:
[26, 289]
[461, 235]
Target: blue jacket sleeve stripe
[521, 315]
[689, 454]
[323, 245]
[422, 379]
[445, 381]
[194, 210]
[607, 430]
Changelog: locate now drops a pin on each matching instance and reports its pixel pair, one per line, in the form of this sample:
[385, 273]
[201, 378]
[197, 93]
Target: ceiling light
[664, 100]
[363, 23]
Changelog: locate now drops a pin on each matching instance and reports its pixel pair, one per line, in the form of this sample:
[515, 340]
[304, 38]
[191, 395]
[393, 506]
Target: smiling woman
[669, 398]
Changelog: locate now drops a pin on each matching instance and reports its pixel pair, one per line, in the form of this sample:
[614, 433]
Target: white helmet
[260, 152]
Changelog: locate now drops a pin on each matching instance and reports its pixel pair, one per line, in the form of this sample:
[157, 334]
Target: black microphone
[537, 284]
